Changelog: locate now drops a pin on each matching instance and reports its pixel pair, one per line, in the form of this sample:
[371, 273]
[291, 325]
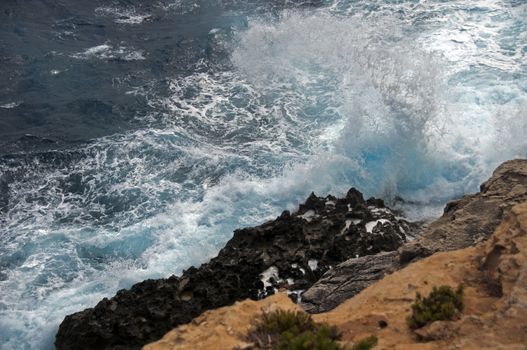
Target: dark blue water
[69, 64]
[135, 136]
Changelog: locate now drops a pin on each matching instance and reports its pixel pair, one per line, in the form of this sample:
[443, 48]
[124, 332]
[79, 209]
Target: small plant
[287, 330]
[442, 304]
[323, 338]
[282, 321]
[366, 343]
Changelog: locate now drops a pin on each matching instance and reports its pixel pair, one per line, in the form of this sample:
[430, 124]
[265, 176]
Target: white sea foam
[371, 225]
[180, 6]
[313, 264]
[10, 105]
[108, 51]
[404, 129]
[120, 15]
[308, 215]
[268, 275]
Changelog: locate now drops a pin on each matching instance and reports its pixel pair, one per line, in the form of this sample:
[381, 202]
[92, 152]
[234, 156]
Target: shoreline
[308, 252]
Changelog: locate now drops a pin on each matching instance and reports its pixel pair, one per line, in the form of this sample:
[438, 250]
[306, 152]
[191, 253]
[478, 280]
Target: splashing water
[416, 99]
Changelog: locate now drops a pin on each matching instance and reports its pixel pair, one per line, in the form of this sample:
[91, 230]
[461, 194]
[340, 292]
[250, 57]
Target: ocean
[135, 136]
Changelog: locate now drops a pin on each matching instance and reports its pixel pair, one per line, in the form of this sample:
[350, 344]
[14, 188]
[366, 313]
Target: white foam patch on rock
[271, 272]
[295, 266]
[308, 215]
[313, 264]
[348, 224]
[370, 225]
[298, 293]
[380, 210]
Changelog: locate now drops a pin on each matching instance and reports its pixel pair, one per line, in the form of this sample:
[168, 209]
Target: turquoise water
[135, 138]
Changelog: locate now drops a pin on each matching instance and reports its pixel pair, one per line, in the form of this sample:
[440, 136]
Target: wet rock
[346, 280]
[291, 252]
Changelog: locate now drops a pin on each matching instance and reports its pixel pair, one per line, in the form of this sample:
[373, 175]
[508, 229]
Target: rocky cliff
[333, 248]
[493, 273]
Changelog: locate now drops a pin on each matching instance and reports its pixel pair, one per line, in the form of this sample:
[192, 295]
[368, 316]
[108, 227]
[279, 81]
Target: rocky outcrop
[346, 280]
[495, 314]
[293, 251]
[494, 275]
[465, 222]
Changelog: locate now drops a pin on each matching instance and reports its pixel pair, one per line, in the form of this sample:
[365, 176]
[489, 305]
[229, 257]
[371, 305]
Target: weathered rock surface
[293, 251]
[474, 218]
[465, 222]
[345, 280]
[489, 320]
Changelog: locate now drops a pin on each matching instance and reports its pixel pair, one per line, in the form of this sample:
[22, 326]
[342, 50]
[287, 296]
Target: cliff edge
[493, 273]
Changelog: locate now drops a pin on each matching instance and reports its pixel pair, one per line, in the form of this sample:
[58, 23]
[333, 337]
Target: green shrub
[282, 321]
[287, 330]
[323, 338]
[365, 344]
[441, 304]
